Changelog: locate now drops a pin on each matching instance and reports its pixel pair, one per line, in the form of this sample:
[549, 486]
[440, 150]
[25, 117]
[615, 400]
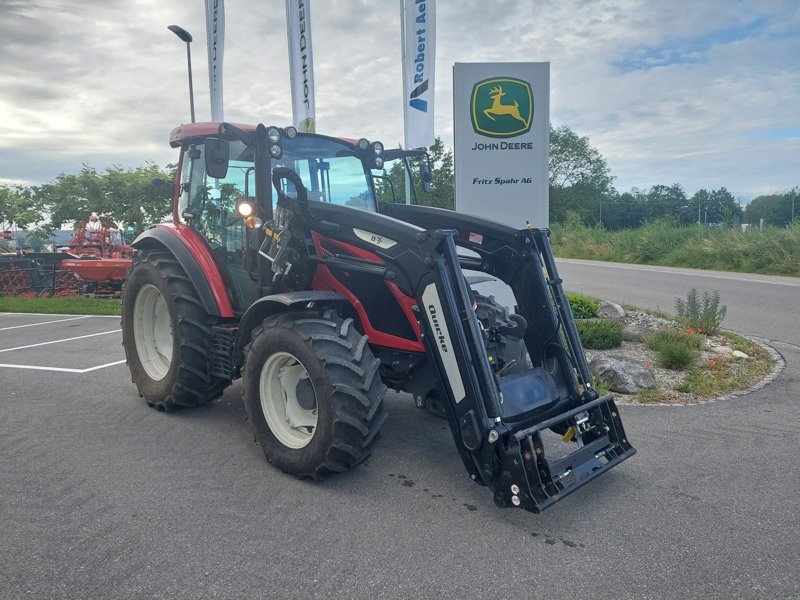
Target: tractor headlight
[244, 207]
[363, 144]
[375, 155]
[273, 135]
[275, 151]
[290, 132]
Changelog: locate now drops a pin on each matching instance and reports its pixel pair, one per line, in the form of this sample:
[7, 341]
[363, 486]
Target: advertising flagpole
[301, 64]
[215, 36]
[418, 32]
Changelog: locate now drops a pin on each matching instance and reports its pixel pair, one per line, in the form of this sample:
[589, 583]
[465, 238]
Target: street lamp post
[185, 36]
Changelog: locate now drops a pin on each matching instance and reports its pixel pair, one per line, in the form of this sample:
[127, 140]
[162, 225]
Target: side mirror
[426, 176]
[217, 154]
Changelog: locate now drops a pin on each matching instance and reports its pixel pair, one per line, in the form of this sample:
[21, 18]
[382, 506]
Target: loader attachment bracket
[533, 482]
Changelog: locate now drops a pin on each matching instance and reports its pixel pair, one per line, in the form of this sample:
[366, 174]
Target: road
[102, 497]
[763, 306]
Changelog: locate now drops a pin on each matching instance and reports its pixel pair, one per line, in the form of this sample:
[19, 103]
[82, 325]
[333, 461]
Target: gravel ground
[667, 380]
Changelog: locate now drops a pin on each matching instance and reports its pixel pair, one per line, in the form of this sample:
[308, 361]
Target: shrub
[601, 334]
[676, 356]
[676, 349]
[672, 336]
[583, 307]
[704, 316]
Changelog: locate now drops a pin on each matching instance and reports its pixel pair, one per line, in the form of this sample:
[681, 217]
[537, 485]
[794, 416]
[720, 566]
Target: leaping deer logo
[498, 108]
[501, 107]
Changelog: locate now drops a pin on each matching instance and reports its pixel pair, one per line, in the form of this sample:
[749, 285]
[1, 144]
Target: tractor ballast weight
[319, 299]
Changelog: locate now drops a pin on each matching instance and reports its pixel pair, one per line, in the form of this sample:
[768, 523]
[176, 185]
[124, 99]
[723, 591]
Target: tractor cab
[218, 168]
[225, 190]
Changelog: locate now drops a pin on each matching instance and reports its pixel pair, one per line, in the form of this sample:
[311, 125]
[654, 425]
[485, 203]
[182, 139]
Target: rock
[739, 354]
[609, 310]
[623, 375]
[721, 350]
[636, 326]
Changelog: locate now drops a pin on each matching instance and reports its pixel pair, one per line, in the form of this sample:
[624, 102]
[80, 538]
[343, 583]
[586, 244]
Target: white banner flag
[418, 21]
[215, 36]
[301, 63]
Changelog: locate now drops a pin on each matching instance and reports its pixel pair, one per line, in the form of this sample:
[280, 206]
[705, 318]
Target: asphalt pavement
[103, 497]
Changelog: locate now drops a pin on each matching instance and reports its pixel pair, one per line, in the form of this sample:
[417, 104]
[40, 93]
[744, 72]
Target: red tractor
[319, 298]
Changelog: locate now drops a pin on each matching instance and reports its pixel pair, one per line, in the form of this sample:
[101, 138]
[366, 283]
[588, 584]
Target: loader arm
[500, 424]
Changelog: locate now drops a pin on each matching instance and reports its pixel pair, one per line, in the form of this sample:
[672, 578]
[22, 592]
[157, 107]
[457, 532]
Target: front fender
[270, 305]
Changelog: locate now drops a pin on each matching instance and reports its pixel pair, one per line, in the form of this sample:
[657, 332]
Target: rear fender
[194, 256]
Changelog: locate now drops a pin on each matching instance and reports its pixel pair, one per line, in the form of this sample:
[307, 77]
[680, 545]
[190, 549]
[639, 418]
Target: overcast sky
[704, 93]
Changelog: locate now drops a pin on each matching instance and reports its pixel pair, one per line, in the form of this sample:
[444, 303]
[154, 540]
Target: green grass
[771, 251]
[65, 305]
[676, 349]
[658, 338]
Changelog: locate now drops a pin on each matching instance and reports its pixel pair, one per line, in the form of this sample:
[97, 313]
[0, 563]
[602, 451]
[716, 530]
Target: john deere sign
[502, 107]
[501, 121]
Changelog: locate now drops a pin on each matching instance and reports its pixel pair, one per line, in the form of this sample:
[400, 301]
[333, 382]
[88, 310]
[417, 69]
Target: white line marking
[80, 337]
[43, 323]
[62, 369]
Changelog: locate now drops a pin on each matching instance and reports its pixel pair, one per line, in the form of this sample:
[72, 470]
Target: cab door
[208, 205]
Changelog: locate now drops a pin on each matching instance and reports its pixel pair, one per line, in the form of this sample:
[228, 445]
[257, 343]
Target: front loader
[319, 299]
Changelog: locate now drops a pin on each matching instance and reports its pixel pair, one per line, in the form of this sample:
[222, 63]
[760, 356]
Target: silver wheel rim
[293, 425]
[152, 332]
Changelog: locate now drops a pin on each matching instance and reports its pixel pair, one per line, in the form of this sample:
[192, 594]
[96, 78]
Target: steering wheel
[280, 173]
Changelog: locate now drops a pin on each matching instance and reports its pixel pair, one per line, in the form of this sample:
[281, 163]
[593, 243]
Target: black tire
[322, 369]
[165, 330]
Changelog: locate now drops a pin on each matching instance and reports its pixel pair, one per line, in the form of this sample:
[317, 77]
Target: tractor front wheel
[313, 393]
[164, 331]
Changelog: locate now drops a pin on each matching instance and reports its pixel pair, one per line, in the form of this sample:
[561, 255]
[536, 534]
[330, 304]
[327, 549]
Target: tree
[19, 207]
[724, 208]
[580, 180]
[129, 196]
[778, 210]
[666, 201]
[714, 207]
[626, 210]
[391, 185]
[442, 192]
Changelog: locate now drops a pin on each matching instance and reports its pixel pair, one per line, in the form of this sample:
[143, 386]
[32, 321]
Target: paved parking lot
[60, 343]
[103, 497]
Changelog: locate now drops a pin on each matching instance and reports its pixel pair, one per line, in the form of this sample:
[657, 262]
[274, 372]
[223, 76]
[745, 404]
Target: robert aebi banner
[418, 20]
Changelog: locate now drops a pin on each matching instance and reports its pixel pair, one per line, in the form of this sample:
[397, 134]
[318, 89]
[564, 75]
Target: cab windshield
[329, 168]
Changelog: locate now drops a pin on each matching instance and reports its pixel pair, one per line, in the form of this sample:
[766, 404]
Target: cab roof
[193, 131]
[203, 129]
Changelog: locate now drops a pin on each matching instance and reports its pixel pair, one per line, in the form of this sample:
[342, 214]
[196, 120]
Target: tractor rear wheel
[164, 331]
[313, 393]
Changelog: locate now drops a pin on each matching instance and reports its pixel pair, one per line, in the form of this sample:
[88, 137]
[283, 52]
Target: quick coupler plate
[532, 481]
